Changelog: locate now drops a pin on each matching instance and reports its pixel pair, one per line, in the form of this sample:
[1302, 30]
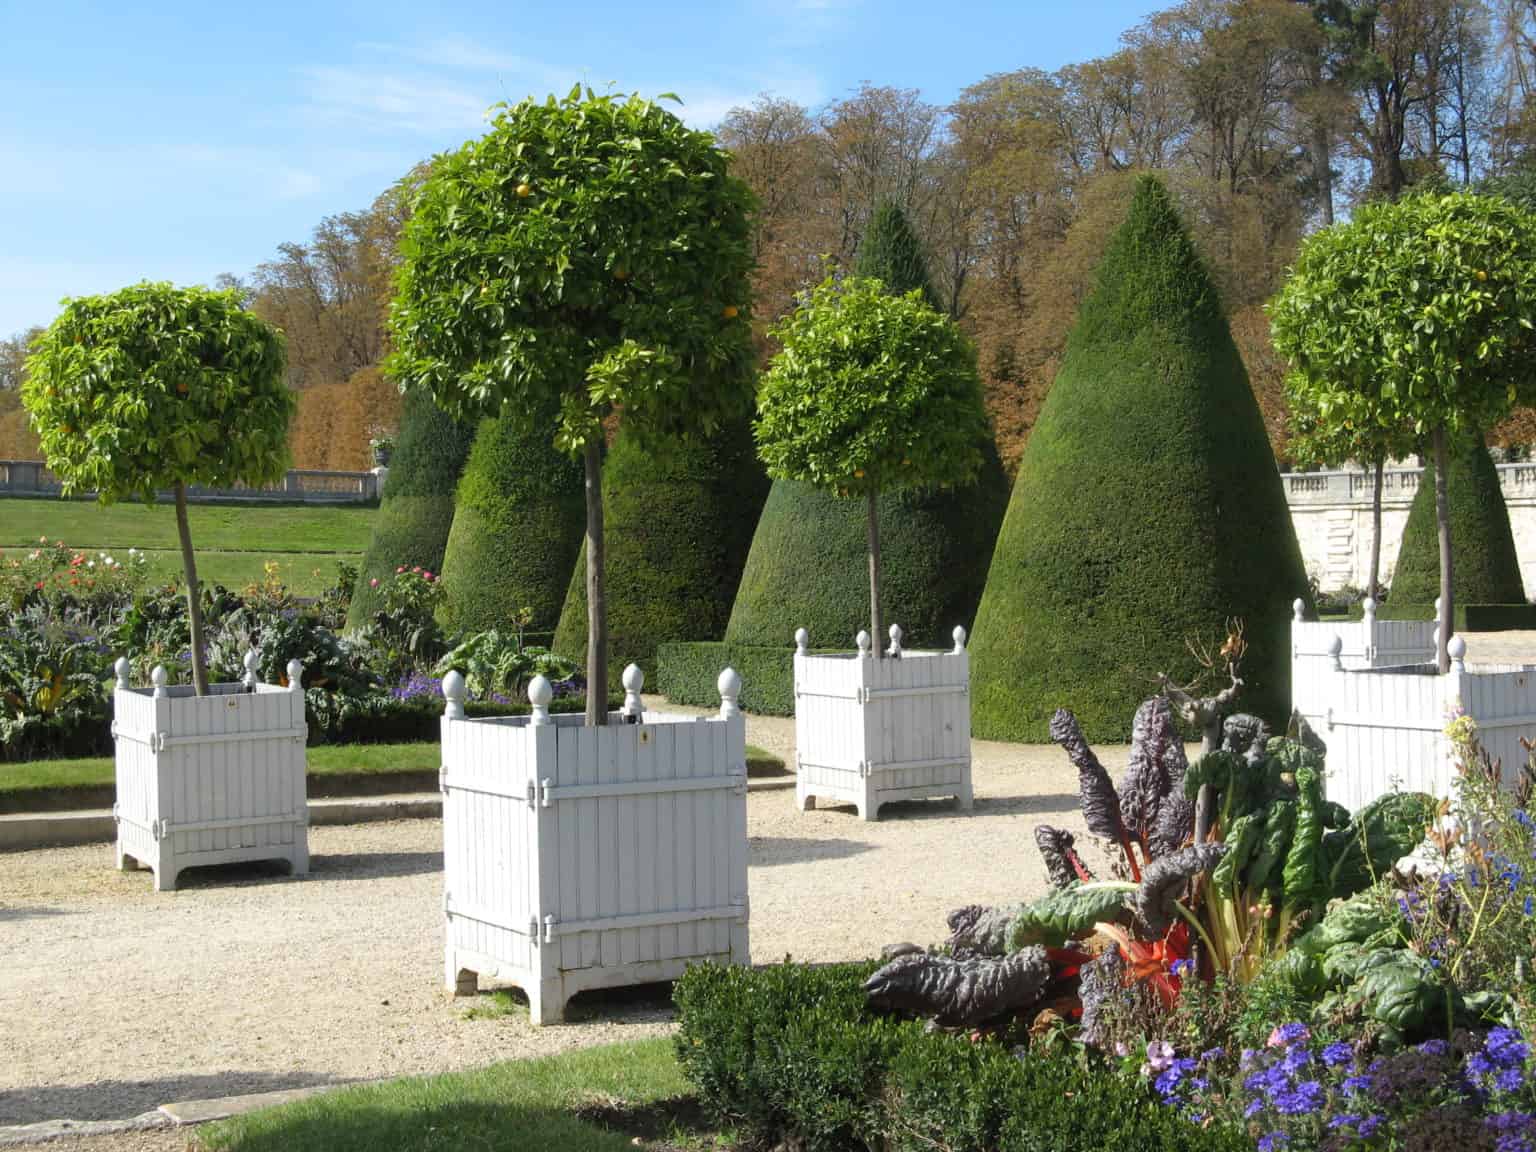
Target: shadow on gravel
[364, 865]
[768, 851]
[29, 912]
[986, 807]
[120, 1099]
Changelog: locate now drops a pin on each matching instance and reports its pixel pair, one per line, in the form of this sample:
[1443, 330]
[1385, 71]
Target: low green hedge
[386, 720]
[790, 1055]
[688, 673]
[1469, 617]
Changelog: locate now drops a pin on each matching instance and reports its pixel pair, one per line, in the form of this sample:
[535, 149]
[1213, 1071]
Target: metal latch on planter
[544, 793]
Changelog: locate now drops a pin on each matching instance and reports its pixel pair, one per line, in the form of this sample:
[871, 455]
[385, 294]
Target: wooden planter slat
[209, 780]
[872, 730]
[579, 858]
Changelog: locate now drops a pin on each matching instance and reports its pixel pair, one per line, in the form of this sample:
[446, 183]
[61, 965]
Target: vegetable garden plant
[158, 387]
[588, 255]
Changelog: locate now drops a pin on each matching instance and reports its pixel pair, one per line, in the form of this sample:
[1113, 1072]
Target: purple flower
[1357, 1085]
[1255, 1106]
[1506, 1048]
[1296, 1058]
[1288, 1034]
[1272, 1140]
[1434, 1048]
[1509, 1080]
[1303, 1100]
[1367, 1127]
[1212, 1054]
[1338, 1054]
[1344, 1120]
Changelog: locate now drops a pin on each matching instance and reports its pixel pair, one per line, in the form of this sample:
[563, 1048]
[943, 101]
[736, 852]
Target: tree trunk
[1443, 521]
[597, 593]
[194, 593]
[1322, 168]
[873, 508]
[1373, 587]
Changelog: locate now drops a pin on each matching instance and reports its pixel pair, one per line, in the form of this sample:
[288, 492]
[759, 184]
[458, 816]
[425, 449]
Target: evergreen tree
[892, 254]
[416, 509]
[1147, 510]
[1486, 566]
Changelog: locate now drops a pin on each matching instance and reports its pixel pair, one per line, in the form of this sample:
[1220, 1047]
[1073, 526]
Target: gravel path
[114, 1000]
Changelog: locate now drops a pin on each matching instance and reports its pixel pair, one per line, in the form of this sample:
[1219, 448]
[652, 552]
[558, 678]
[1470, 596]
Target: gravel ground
[115, 1000]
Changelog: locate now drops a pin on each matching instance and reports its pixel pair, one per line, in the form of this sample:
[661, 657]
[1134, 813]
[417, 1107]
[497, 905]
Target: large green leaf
[1069, 914]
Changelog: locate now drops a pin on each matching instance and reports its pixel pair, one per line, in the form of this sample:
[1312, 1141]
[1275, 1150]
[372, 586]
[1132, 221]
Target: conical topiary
[1485, 566]
[678, 526]
[1147, 512]
[416, 509]
[808, 567]
[519, 522]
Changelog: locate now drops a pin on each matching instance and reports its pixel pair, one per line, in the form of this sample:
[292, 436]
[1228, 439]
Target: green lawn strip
[217, 527]
[575, 1102]
[304, 573]
[334, 770]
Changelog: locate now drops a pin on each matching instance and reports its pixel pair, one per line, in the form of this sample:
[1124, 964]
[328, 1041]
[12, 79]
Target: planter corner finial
[1336, 651]
[295, 676]
[540, 693]
[251, 662]
[959, 635]
[159, 678]
[729, 685]
[453, 693]
[895, 648]
[1457, 650]
[633, 680]
[802, 641]
[1298, 609]
[1368, 609]
[121, 670]
[862, 640]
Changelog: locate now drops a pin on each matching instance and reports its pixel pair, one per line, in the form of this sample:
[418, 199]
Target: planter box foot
[806, 802]
[965, 800]
[165, 879]
[461, 981]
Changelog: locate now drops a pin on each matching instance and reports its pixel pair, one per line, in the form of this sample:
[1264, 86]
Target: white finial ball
[158, 677]
[862, 640]
[453, 685]
[1368, 606]
[1335, 645]
[959, 635]
[541, 692]
[1299, 608]
[121, 668]
[895, 631]
[1457, 648]
[802, 639]
[251, 660]
[295, 674]
[633, 678]
[729, 684]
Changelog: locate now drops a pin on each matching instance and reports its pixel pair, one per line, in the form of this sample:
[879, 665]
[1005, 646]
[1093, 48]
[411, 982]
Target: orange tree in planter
[158, 387]
[586, 255]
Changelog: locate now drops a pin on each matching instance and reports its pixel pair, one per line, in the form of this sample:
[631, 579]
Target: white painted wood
[579, 858]
[1383, 717]
[209, 780]
[869, 731]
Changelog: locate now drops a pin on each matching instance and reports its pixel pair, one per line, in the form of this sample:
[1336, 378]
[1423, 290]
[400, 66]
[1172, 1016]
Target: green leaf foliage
[870, 392]
[1147, 508]
[678, 524]
[688, 673]
[1415, 314]
[1068, 914]
[891, 253]
[155, 386]
[1400, 989]
[807, 567]
[416, 512]
[1486, 566]
[584, 253]
[517, 526]
[1379, 835]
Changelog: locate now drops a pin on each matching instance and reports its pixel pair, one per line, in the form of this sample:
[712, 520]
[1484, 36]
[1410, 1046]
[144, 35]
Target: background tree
[586, 253]
[1417, 317]
[871, 392]
[158, 387]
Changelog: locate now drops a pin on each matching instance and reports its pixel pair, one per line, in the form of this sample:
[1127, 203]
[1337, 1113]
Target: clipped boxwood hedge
[1147, 511]
[677, 527]
[411, 527]
[1468, 617]
[1486, 565]
[789, 1054]
[688, 673]
[519, 523]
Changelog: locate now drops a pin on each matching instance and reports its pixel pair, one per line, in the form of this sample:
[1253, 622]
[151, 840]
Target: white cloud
[393, 103]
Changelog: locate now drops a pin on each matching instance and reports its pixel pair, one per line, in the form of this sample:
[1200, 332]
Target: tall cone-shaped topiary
[1487, 568]
[516, 530]
[808, 564]
[1147, 512]
[416, 511]
[679, 525]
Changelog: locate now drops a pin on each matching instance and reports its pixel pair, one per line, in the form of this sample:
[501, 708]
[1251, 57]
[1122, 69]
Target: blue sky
[142, 139]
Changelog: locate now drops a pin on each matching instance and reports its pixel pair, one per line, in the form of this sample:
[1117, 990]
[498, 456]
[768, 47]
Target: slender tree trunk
[1443, 521]
[1373, 588]
[1322, 169]
[873, 508]
[597, 592]
[194, 593]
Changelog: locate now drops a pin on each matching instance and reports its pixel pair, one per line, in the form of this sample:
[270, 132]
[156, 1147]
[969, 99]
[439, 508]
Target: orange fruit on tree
[524, 191]
[1481, 275]
[730, 311]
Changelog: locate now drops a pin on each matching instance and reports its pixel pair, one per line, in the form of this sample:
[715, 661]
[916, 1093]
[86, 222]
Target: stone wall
[32, 478]
[1332, 515]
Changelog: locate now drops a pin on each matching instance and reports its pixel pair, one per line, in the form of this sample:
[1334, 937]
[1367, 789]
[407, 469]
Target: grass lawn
[325, 760]
[592, 1100]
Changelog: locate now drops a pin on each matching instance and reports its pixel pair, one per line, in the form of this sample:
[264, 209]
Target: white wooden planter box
[1385, 725]
[871, 730]
[579, 858]
[214, 779]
